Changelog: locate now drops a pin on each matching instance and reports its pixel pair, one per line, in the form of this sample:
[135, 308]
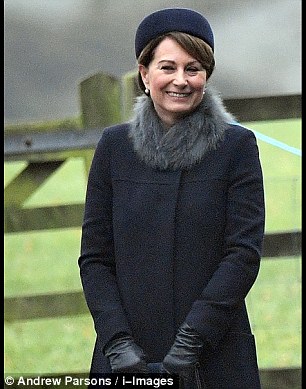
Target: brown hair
[194, 46]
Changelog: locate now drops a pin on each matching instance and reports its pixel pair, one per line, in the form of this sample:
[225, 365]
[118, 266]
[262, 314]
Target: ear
[143, 70]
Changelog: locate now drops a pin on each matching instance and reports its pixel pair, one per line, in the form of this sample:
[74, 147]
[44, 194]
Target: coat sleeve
[212, 314]
[96, 261]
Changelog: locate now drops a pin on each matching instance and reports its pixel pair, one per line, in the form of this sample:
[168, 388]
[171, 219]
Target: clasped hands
[125, 356]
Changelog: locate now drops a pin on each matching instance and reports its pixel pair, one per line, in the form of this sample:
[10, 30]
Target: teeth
[173, 94]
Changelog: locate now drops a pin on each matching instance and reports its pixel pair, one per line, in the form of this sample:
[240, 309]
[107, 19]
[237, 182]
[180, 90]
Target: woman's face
[176, 81]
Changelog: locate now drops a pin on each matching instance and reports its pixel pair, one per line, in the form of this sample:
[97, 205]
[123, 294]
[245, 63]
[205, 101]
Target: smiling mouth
[179, 95]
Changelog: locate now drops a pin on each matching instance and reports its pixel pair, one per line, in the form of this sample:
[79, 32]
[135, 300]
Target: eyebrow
[171, 61]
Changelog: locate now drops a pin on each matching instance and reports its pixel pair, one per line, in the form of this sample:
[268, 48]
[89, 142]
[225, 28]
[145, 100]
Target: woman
[174, 220]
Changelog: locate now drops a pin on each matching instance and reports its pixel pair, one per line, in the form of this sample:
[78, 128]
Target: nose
[180, 78]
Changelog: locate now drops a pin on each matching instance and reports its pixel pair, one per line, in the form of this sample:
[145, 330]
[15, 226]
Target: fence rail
[37, 145]
[265, 108]
[73, 303]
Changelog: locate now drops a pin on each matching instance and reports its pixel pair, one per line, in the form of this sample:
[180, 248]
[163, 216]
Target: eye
[168, 68]
[192, 70]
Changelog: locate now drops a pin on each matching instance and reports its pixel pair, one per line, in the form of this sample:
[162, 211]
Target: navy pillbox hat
[172, 19]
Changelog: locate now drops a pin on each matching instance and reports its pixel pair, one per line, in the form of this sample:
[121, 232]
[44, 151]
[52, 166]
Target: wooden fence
[106, 100]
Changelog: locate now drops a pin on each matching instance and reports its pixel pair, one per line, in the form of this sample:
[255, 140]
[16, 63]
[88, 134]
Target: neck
[168, 120]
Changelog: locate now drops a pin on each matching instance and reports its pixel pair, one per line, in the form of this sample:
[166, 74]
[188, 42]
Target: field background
[46, 261]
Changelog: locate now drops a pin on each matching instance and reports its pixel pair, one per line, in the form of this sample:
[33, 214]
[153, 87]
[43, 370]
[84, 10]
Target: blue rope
[277, 143]
[274, 142]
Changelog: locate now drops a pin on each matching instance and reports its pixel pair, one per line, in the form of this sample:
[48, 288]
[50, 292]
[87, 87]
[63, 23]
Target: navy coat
[162, 247]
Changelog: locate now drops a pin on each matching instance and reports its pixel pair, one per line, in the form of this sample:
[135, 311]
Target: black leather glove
[184, 354]
[125, 356]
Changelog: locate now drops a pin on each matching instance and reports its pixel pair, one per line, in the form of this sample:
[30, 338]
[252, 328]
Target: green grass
[274, 305]
[282, 174]
[46, 261]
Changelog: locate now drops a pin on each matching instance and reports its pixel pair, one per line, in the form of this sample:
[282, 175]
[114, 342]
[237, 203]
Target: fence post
[100, 104]
[130, 90]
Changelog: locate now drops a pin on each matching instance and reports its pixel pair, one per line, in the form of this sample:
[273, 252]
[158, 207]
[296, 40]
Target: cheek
[158, 82]
[198, 83]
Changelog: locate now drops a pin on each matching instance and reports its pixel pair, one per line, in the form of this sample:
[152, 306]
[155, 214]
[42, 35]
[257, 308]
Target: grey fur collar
[185, 143]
